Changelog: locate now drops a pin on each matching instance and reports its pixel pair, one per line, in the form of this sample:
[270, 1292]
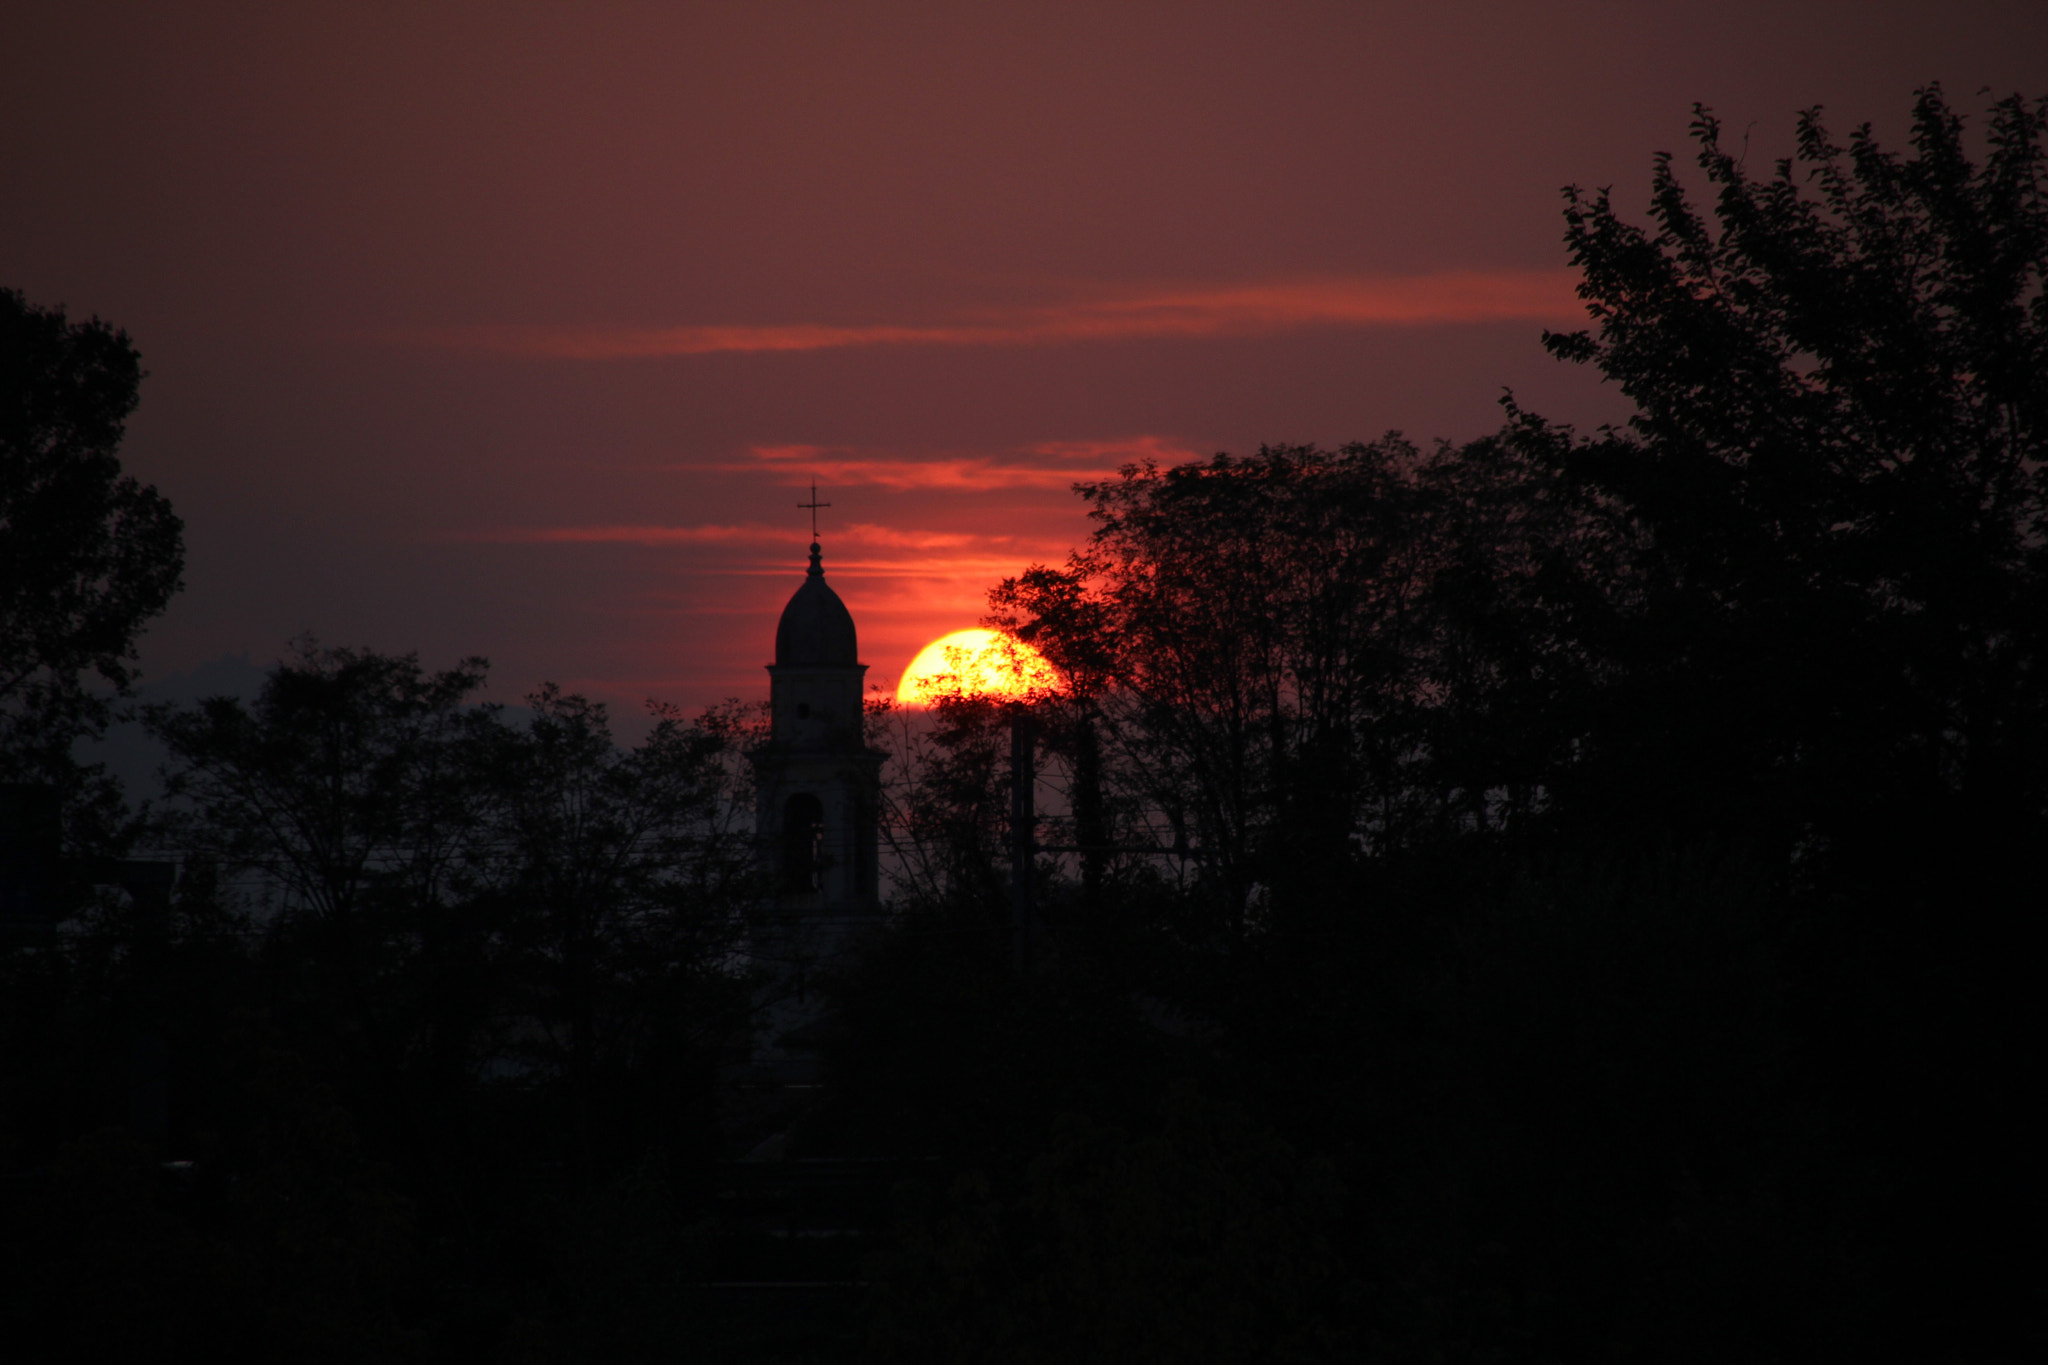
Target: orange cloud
[973, 472]
[867, 533]
[906, 586]
[988, 567]
[1452, 296]
[968, 474]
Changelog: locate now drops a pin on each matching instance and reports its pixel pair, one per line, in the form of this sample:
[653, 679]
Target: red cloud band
[1242, 310]
[977, 473]
[860, 534]
[966, 475]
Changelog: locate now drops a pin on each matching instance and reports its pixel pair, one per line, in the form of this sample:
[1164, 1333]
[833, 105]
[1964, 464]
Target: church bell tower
[817, 798]
[817, 782]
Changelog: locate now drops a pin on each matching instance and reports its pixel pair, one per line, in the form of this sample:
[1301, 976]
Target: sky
[521, 330]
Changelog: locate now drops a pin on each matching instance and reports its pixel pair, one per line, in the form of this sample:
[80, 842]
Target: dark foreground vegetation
[1567, 897]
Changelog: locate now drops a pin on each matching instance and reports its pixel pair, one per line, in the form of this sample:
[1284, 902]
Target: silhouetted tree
[450, 891]
[351, 790]
[1297, 658]
[621, 876]
[945, 806]
[1841, 381]
[87, 554]
[1648, 817]
[1830, 644]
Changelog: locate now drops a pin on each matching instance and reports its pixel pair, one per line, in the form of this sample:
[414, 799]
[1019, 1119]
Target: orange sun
[976, 663]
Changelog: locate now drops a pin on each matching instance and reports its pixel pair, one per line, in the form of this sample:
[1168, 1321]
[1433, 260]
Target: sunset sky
[520, 330]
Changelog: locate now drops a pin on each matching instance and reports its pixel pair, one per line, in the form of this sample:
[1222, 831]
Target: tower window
[803, 842]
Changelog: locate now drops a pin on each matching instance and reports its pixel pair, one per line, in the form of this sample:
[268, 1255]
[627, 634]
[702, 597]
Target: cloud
[976, 474]
[935, 566]
[906, 585]
[859, 536]
[617, 535]
[1059, 465]
[1453, 296]
[793, 454]
[1132, 450]
[867, 533]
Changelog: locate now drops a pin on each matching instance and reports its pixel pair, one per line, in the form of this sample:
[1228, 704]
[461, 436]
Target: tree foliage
[1625, 837]
[1306, 656]
[345, 782]
[465, 893]
[87, 554]
[1841, 382]
[622, 874]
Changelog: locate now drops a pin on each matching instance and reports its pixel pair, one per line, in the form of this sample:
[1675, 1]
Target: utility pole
[1023, 833]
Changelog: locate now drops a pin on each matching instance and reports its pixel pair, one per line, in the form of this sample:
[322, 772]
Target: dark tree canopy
[432, 853]
[1841, 378]
[343, 781]
[1307, 655]
[87, 555]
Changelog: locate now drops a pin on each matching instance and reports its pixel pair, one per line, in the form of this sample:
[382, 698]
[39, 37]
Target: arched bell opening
[803, 843]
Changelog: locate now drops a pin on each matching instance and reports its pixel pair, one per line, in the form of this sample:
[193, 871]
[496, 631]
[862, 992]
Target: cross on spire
[813, 505]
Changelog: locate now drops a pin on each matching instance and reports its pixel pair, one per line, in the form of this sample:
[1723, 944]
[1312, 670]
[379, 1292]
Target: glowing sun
[976, 663]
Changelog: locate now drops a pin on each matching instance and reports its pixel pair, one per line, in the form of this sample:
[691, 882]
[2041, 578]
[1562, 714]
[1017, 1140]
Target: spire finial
[814, 505]
[818, 559]
[817, 569]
